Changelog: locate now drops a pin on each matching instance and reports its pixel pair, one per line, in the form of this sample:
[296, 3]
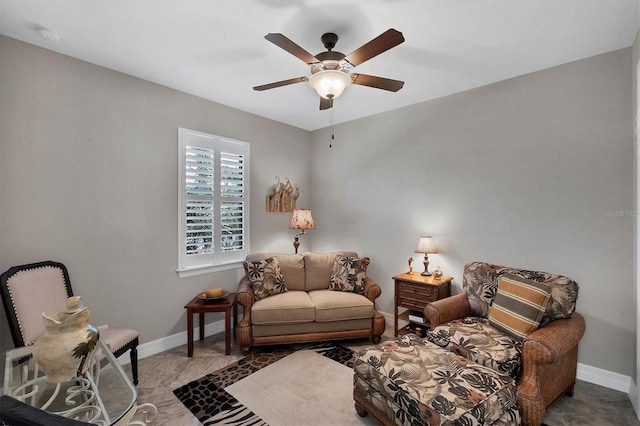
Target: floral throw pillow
[265, 277]
[349, 274]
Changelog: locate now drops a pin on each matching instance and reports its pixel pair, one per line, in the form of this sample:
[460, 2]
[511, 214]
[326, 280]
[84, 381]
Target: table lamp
[301, 219]
[425, 245]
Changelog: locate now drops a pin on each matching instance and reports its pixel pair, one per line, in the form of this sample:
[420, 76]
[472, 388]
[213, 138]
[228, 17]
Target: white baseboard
[387, 317]
[605, 378]
[173, 341]
[598, 376]
[633, 396]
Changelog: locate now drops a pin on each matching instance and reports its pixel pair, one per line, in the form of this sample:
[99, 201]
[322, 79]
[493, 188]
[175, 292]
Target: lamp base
[296, 244]
[426, 272]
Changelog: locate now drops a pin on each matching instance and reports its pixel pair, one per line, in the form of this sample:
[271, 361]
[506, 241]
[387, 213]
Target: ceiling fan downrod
[329, 40]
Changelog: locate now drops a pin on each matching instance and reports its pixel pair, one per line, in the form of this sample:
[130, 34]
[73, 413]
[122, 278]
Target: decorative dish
[204, 298]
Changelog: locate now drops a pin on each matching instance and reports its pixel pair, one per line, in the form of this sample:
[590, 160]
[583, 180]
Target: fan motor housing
[329, 61]
[330, 56]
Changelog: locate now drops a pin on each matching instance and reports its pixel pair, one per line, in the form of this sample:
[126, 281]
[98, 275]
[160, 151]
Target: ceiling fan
[330, 69]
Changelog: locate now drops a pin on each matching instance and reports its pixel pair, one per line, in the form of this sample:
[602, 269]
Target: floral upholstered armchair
[518, 322]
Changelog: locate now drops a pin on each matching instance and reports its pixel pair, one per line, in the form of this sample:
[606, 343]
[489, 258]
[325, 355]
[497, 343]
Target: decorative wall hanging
[283, 199]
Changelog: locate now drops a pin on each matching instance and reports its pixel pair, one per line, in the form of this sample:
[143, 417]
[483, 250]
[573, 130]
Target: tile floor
[163, 372]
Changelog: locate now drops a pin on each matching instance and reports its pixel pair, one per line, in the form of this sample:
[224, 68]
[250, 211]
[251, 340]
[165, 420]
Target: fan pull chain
[331, 127]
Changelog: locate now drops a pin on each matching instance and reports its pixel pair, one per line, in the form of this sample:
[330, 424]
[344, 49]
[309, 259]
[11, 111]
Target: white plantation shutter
[213, 201]
[232, 174]
[199, 188]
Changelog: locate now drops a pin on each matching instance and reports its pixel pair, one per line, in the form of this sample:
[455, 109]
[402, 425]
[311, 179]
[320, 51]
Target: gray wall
[88, 177]
[634, 395]
[523, 173]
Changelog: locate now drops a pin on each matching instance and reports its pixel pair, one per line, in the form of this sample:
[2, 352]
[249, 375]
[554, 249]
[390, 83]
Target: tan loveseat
[308, 311]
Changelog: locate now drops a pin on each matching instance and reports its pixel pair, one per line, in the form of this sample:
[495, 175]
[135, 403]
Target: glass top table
[103, 395]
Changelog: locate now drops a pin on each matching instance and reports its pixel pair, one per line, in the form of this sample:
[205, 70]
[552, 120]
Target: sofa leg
[376, 340]
[360, 409]
[245, 350]
[570, 389]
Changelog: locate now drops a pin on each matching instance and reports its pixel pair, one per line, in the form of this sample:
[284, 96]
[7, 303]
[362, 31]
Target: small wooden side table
[199, 306]
[413, 292]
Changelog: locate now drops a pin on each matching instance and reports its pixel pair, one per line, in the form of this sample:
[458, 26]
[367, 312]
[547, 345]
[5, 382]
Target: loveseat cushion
[416, 382]
[480, 283]
[266, 330]
[339, 306]
[318, 268]
[290, 307]
[477, 340]
[291, 267]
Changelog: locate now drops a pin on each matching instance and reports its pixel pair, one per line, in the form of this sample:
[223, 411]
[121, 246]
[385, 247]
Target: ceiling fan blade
[280, 83]
[284, 43]
[382, 43]
[377, 82]
[325, 103]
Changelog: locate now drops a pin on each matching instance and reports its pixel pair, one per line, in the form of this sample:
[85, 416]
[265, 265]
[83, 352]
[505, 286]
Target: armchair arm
[371, 289]
[553, 340]
[549, 363]
[447, 309]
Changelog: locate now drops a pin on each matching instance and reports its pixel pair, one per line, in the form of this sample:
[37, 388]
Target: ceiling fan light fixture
[330, 83]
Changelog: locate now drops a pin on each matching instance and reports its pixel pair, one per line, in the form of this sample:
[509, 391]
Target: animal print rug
[207, 399]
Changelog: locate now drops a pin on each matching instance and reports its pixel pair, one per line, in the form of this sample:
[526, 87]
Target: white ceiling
[215, 48]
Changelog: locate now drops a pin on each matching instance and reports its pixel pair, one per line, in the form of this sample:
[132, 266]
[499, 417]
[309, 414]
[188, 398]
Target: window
[213, 202]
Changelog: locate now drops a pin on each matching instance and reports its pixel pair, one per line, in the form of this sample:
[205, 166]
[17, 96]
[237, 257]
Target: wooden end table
[199, 306]
[413, 292]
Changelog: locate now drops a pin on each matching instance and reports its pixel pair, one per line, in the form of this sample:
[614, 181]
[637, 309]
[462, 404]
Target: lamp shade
[425, 245]
[301, 219]
[329, 83]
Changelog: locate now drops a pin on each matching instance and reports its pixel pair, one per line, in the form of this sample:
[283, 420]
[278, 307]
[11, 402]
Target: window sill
[201, 270]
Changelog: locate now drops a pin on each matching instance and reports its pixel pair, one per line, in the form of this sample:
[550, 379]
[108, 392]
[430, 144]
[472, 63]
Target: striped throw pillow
[519, 305]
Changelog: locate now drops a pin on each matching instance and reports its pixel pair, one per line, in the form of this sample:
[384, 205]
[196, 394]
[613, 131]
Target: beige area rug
[304, 388]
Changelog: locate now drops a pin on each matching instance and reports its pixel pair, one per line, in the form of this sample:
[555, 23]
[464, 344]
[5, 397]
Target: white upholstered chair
[29, 290]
